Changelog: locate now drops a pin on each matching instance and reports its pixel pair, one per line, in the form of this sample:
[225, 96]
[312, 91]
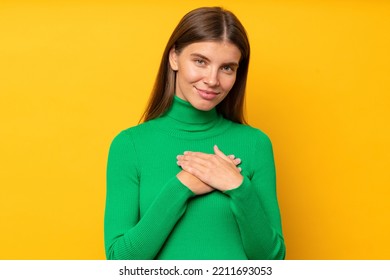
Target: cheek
[228, 82]
[191, 74]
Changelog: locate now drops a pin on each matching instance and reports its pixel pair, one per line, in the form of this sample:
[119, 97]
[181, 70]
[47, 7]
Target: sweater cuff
[242, 191]
[176, 190]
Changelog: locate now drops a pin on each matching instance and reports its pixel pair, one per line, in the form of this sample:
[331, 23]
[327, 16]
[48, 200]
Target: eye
[200, 61]
[228, 69]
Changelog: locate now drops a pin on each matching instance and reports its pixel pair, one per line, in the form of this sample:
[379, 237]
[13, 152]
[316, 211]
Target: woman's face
[205, 72]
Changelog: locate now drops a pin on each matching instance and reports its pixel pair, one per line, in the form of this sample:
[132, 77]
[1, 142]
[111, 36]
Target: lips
[207, 94]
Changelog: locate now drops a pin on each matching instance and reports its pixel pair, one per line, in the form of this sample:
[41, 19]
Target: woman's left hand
[217, 170]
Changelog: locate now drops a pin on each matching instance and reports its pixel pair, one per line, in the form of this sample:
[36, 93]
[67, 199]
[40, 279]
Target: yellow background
[75, 73]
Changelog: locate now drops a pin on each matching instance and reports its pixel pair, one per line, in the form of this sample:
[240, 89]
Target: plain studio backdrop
[75, 73]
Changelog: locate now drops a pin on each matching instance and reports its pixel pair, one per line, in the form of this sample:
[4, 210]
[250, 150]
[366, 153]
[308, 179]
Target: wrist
[194, 184]
[234, 184]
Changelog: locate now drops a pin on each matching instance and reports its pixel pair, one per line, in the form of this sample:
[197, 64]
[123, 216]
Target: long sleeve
[255, 206]
[126, 234]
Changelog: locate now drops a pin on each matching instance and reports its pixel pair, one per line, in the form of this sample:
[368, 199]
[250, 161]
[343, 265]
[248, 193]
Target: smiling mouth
[207, 94]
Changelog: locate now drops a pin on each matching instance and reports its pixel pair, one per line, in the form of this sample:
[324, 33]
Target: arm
[255, 207]
[253, 196]
[126, 235]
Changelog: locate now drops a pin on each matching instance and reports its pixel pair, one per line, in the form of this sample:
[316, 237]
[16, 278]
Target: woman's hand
[215, 170]
[193, 183]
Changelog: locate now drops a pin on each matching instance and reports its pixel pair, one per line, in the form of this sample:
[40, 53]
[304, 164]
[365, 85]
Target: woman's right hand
[197, 186]
[193, 183]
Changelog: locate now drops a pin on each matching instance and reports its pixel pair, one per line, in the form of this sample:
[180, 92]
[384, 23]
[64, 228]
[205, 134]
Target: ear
[173, 59]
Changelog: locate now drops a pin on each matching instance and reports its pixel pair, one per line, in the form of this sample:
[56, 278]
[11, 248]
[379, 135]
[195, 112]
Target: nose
[211, 78]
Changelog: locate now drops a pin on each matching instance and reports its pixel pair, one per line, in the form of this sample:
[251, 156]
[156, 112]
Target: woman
[172, 191]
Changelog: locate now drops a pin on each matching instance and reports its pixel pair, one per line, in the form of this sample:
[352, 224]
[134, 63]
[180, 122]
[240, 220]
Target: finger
[203, 158]
[194, 168]
[219, 153]
[198, 154]
[193, 158]
[235, 160]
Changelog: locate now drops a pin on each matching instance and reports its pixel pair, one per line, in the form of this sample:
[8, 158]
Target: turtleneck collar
[184, 112]
[182, 118]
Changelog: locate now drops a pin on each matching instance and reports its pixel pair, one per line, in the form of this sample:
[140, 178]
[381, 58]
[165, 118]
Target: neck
[182, 111]
[182, 119]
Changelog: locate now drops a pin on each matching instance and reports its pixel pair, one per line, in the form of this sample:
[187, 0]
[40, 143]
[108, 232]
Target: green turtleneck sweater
[150, 214]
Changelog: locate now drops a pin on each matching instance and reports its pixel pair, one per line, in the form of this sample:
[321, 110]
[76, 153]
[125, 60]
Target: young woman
[193, 181]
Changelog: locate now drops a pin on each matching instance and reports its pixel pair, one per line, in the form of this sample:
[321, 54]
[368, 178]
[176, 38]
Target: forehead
[220, 50]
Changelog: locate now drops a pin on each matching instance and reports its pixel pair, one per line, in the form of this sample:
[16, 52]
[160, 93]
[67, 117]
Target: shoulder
[134, 134]
[251, 133]
[124, 137]
[128, 133]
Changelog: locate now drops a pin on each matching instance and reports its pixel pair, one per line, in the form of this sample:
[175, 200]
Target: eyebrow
[208, 60]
